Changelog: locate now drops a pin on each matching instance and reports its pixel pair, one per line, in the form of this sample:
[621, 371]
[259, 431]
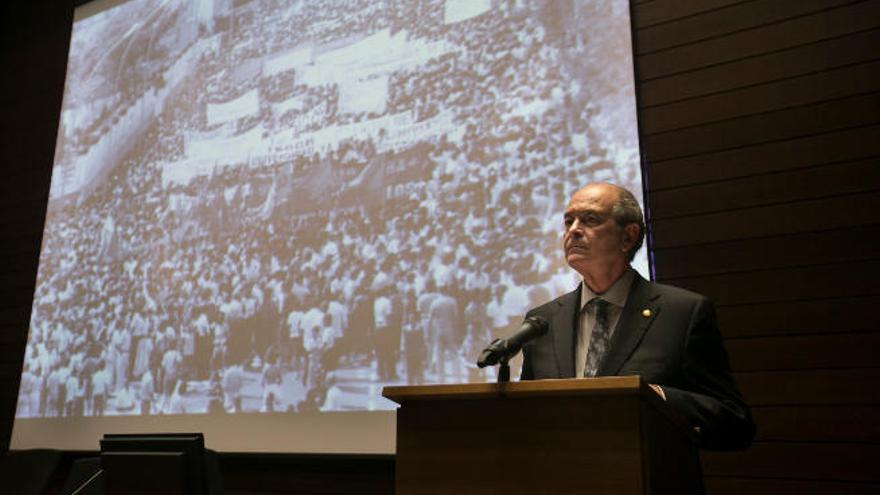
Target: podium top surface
[606, 386]
[610, 385]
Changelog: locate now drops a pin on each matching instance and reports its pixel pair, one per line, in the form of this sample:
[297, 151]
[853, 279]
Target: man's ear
[630, 234]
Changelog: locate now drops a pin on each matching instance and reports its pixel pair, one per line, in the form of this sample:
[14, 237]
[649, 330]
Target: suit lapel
[631, 326]
[564, 321]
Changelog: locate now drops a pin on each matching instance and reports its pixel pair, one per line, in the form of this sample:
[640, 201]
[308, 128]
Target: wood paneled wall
[761, 137]
[761, 133]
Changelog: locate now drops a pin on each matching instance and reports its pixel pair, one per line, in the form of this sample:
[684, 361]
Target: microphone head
[503, 349]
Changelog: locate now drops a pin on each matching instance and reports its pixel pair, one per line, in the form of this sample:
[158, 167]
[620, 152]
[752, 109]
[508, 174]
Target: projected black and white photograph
[279, 206]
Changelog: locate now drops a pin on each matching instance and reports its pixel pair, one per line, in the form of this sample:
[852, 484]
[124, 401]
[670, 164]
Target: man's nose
[576, 228]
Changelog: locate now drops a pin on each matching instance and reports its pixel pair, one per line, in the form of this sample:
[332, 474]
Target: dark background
[761, 133]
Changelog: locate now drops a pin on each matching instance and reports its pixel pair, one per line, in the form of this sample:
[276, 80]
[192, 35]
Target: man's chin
[576, 260]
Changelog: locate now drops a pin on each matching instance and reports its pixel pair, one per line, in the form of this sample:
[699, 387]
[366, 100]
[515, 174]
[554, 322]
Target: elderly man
[617, 323]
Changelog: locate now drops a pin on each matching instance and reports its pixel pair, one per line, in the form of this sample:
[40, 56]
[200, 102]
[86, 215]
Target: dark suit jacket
[678, 346]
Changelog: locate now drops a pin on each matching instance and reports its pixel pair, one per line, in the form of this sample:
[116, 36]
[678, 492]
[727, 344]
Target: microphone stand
[503, 371]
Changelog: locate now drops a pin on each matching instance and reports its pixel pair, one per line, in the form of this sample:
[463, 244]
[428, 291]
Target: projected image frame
[256, 216]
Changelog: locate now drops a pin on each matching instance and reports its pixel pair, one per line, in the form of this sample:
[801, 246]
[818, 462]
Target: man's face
[592, 238]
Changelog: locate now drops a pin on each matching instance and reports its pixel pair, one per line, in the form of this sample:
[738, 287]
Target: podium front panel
[527, 445]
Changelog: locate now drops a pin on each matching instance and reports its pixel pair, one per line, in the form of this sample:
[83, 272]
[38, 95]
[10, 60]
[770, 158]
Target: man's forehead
[597, 197]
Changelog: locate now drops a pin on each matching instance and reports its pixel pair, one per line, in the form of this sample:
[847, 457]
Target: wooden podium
[609, 435]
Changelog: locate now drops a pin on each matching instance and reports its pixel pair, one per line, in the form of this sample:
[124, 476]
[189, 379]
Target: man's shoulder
[671, 291]
[671, 294]
[647, 287]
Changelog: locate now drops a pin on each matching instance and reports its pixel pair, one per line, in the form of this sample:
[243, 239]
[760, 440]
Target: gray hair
[625, 211]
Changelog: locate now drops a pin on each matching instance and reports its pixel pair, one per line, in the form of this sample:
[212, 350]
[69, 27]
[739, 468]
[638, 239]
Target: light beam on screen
[262, 212]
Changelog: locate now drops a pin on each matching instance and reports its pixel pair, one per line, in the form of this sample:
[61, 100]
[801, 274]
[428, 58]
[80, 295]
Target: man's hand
[658, 389]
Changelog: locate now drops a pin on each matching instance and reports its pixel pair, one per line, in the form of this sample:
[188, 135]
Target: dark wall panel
[851, 350]
[839, 82]
[854, 462]
[836, 211]
[852, 424]
[738, 486]
[806, 316]
[828, 148]
[791, 62]
[648, 13]
[847, 387]
[768, 189]
[780, 251]
[775, 125]
[747, 30]
[761, 137]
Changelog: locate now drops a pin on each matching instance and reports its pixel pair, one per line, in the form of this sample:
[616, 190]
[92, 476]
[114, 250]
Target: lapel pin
[646, 313]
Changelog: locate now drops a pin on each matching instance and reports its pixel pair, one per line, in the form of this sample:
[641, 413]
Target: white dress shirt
[616, 295]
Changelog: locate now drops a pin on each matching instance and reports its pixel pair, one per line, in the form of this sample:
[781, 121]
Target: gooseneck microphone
[500, 350]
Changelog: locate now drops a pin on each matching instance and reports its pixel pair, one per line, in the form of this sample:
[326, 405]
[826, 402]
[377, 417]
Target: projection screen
[262, 212]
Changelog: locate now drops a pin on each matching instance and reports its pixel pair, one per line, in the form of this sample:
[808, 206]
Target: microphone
[500, 350]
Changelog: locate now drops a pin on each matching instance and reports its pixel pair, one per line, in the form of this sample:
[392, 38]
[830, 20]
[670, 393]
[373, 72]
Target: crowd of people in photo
[254, 288]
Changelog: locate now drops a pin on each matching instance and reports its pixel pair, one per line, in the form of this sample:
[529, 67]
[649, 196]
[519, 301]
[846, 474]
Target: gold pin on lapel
[646, 313]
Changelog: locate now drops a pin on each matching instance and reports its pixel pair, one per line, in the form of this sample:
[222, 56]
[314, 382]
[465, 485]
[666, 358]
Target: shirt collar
[616, 294]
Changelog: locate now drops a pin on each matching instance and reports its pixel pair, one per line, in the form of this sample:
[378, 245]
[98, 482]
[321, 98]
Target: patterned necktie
[600, 336]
